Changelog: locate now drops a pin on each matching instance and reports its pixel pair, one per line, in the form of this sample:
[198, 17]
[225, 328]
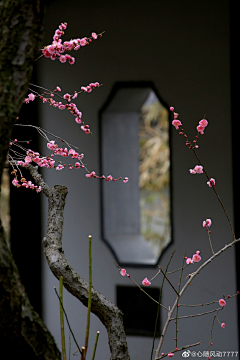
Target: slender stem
[182, 348]
[147, 293]
[171, 272]
[67, 321]
[95, 345]
[209, 237]
[168, 280]
[83, 353]
[69, 347]
[212, 302]
[214, 318]
[213, 187]
[155, 276]
[179, 286]
[89, 294]
[194, 315]
[141, 288]
[62, 319]
[159, 302]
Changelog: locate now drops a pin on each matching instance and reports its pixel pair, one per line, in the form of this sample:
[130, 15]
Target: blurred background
[168, 53]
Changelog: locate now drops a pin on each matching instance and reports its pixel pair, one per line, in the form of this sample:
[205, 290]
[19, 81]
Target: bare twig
[192, 276]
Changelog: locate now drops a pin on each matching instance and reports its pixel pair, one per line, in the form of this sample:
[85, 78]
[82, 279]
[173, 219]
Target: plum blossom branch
[147, 283]
[199, 168]
[191, 277]
[27, 156]
[57, 49]
[180, 349]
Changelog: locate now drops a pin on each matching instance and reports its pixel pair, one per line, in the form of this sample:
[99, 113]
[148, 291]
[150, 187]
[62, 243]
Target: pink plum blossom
[92, 174]
[15, 182]
[171, 108]
[67, 97]
[123, 272]
[222, 302]
[94, 36]
[58, 88]
[78, 120]
[31, 97]
[203, 122]
[51, 145]
[207, 223]
[71, 60]
[211, 182]
[146, 282]
[189, 261]
[222, 325]
[198, 169]
[200, 129]
[176, 123]
[77, 165]
[59, 167]
[198, 252]
[170, 355]
[71, 152]
[28, 159]
[62, 59]
[196, 258]
[125, 180]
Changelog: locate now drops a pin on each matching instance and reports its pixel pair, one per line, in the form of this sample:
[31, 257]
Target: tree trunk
[22, 332]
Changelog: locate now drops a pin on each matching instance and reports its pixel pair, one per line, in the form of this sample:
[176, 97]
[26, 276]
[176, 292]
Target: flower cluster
[90, 87]
[197, 170]
[23, 182]
[201, 126]
[57, 49]
[176, 122]
[195, 258]
[30, 156]
[70, 106]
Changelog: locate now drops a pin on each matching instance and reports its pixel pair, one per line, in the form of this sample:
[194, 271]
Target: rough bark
[22, 332]
[107, 312]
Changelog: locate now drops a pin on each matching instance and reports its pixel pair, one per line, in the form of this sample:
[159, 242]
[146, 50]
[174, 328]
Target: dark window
[139, 310]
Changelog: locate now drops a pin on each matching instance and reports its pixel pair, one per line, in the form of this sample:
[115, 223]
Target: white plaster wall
[183, 47]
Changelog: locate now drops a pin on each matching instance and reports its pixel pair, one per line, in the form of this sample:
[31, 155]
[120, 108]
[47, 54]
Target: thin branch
[194, 315]
[62, 318]
[182, 348]
[191, 277]
[67, 320]
[90, 294]
[168, 280]
[95, 345]
[213, 187]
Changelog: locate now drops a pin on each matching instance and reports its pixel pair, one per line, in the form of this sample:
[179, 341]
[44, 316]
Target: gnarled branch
[105, 310]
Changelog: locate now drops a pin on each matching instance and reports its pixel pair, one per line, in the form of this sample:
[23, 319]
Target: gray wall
[183, 47]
